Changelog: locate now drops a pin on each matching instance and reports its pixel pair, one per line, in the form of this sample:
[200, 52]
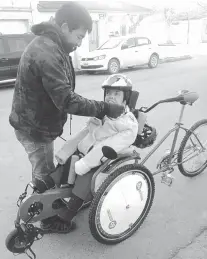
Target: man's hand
[113, 110]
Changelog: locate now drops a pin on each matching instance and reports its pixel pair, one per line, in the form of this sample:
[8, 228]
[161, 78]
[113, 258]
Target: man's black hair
[75, 15]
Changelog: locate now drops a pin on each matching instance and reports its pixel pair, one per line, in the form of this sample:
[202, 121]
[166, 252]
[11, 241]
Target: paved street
[179, 213]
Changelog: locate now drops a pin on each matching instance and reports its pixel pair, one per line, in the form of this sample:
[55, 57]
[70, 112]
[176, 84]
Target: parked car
[121, 52]
[11, 48]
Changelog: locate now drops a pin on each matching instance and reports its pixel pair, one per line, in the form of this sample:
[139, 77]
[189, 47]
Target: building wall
[14, 26]
[179, 33]
[25, 12]
[15, 16]
[15, 3]
[204, 30]
[158, 31]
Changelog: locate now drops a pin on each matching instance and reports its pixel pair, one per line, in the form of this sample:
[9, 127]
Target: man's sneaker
[58, 226]
[60, 203]
[48, 221]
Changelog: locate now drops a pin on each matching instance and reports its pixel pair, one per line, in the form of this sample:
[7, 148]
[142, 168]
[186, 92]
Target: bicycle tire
[95, 231]
[182, 148]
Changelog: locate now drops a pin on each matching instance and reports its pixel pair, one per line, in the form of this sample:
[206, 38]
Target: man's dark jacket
[44, 88]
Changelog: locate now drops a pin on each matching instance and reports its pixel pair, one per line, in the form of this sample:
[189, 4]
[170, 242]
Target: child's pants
[82, 188]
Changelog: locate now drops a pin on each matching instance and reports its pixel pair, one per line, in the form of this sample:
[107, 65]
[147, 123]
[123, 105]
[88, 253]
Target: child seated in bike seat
[119, 133]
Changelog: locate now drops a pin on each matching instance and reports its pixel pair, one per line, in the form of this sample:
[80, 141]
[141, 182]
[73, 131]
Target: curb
[194, 249]
[174, 59]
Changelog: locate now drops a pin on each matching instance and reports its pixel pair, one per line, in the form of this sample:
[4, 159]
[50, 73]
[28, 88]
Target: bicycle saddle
[188, 97]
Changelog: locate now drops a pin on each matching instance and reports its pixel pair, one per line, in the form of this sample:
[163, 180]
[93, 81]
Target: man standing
[44, 89]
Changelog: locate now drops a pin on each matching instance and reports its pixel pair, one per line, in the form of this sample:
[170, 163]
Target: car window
[17, 44]
[1, 46]
[111, 43]
[142, 41]
[130, 43]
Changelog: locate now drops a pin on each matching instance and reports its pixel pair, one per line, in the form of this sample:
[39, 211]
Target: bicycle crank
[167, 178]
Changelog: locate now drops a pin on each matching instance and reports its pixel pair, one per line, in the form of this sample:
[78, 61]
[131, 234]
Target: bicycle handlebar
[169, 100]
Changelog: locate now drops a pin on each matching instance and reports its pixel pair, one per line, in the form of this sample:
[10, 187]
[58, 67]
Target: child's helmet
[118, 82]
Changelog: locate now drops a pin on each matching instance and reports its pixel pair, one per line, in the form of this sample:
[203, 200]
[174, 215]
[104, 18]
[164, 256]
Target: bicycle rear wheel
[121, 204]
[192, 154]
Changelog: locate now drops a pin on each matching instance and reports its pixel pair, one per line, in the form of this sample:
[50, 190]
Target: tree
[169, 15]
[202, 5]
[135, 21]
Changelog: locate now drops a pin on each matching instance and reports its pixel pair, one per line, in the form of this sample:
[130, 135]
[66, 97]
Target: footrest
[67, 185]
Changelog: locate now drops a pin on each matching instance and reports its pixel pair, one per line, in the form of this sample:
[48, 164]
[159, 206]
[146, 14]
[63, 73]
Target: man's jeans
[40, 155]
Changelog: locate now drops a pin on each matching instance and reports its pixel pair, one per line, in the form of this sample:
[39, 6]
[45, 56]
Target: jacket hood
[53, 31]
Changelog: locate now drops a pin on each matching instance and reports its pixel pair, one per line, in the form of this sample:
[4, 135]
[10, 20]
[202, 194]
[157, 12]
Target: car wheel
[153, 62]
[114, 66]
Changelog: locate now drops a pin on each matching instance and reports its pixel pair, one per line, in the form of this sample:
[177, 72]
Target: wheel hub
[114, 67]
[154, 61]
[20, 242]
[28, 233]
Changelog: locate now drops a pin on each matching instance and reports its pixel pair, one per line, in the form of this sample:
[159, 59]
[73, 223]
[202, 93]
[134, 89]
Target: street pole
[188, 31]
[31, 9]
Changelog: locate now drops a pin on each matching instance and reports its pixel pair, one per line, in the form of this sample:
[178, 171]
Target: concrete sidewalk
[173, 51]
[182, 49]
[198, 49]
[196, 249]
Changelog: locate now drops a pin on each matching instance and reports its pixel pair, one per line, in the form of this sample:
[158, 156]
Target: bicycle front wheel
[192, 154]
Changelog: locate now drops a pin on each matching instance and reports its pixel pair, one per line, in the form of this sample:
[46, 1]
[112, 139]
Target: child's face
[115, 96]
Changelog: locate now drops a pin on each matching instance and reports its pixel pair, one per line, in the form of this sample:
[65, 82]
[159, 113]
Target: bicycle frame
[176, 129]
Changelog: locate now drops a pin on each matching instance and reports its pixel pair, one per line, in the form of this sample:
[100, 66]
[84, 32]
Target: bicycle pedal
[167, 179]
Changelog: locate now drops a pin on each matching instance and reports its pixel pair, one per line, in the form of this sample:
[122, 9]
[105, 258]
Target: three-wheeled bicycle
[122, 201]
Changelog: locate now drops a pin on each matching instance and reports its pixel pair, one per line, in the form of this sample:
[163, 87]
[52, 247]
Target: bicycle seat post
[181, 114]
[176, 134]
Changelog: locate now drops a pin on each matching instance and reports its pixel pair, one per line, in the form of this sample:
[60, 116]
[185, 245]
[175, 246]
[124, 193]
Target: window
[111, 43]
[17, 44]
[130, 43]
[1, 47]
[142, 41]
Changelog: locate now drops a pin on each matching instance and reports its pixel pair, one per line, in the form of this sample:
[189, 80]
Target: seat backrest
[142, 118]
[133, 99]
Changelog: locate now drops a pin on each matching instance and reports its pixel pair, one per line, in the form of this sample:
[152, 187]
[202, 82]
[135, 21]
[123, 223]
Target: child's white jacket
[117, 133]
